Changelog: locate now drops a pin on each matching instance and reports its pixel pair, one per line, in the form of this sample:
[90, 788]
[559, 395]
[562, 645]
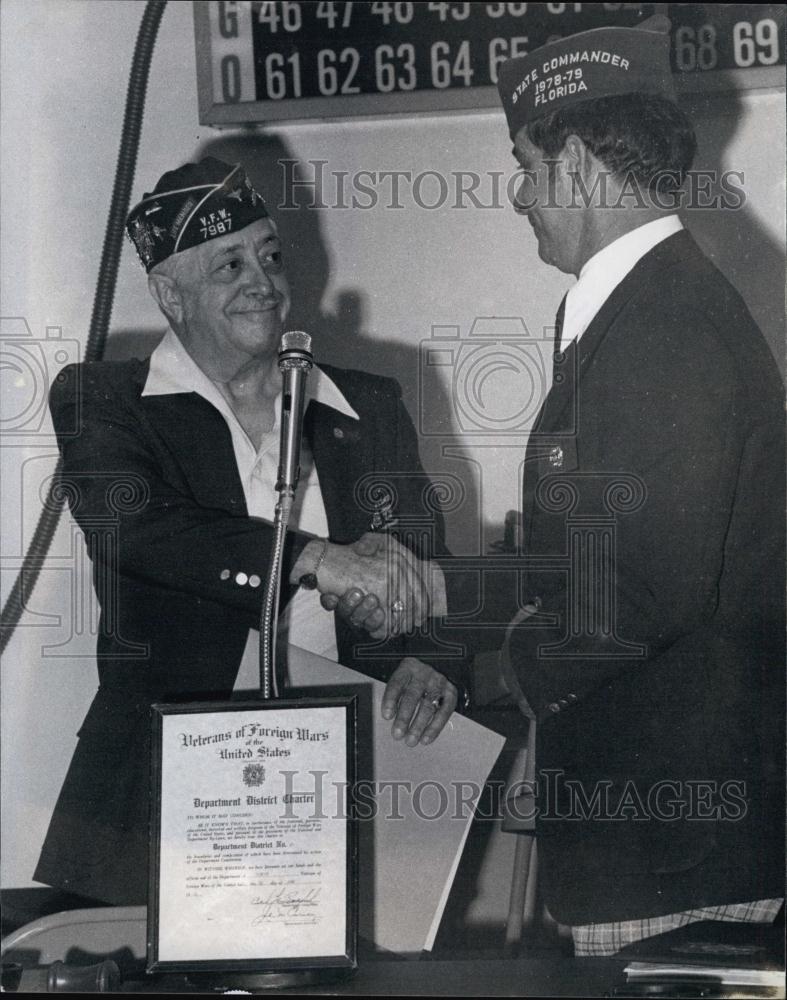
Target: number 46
[290, 15]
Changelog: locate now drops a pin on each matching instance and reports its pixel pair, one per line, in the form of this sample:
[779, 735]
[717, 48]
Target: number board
[260, 60]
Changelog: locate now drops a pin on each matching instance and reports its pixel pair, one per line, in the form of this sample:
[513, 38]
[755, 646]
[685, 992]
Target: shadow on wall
[735, 239]
[337, 328]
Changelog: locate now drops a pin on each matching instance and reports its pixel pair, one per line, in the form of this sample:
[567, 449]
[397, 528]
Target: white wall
[370, 285]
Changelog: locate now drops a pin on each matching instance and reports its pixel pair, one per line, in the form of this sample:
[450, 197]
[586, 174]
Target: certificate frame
[284, 716]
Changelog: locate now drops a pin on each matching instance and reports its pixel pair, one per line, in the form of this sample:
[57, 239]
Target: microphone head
[295, 350]
[296, 340]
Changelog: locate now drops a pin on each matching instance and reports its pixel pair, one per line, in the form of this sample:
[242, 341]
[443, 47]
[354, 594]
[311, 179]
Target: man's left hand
[420, 700]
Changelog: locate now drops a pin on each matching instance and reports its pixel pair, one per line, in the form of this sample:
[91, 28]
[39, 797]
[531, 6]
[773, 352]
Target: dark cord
[102, 302]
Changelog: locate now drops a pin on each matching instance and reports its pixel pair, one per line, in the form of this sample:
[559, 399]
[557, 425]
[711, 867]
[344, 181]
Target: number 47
[326, 11]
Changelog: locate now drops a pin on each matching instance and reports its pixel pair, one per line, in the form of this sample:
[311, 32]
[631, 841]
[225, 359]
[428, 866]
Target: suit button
[225, 574]
[572, 699]
[556, 457]
[554, 707]
[562, 702]
[241, 579]
[338, 433]
[254, 580]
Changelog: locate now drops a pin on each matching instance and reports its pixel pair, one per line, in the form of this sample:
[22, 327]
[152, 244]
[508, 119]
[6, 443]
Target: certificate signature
[286, 902]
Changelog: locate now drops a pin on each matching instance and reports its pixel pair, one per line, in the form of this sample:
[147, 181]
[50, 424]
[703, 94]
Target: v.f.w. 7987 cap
[191, 205]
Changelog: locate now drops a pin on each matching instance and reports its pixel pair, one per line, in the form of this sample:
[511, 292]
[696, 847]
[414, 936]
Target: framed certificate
[253, 844]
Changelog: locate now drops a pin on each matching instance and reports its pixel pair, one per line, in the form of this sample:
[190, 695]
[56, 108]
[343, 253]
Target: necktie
[556, 355]
[557, 364]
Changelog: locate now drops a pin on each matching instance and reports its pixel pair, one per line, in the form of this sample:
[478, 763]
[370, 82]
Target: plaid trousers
[607, 939]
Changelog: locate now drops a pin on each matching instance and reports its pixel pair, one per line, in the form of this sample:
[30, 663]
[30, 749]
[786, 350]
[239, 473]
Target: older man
[171, 478]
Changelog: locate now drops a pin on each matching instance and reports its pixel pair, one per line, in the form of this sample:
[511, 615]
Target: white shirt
[173, 370]
[606, 269]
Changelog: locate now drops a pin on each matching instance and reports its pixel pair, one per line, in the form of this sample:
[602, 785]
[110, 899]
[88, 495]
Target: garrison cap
[191, 205]
[603, 62]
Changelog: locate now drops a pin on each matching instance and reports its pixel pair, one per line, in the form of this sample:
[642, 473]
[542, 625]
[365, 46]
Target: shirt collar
[606, 269]
[173, 370]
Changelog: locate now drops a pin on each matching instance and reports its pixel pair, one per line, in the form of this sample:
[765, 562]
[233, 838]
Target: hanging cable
[102, 301]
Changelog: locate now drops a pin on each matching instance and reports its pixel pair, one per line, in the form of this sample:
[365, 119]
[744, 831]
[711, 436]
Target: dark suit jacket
[153, 483]
[660, 702]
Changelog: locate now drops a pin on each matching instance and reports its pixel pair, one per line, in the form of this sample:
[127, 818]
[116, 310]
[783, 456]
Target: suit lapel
[342, 456]
[556, 417]
[199, 440]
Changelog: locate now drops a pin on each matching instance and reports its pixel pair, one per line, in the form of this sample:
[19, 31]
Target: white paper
[253, 863]
[407, 861]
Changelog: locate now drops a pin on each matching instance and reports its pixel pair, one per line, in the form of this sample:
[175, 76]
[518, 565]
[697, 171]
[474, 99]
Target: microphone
[295, 363]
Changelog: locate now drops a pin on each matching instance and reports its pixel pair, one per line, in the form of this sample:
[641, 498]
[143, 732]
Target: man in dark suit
[647, 624]
[653, 660]
[171, 477]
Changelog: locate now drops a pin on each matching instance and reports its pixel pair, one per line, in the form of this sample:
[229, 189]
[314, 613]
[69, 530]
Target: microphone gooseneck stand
[295, 363]
[269, 684]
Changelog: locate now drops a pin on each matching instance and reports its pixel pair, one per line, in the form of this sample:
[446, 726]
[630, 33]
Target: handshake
[379, 585]
[375, 583]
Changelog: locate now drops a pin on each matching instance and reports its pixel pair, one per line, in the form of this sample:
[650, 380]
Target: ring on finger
[433, 698]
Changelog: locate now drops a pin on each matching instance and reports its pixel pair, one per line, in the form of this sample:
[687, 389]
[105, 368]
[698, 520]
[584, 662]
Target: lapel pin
[383, 517]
